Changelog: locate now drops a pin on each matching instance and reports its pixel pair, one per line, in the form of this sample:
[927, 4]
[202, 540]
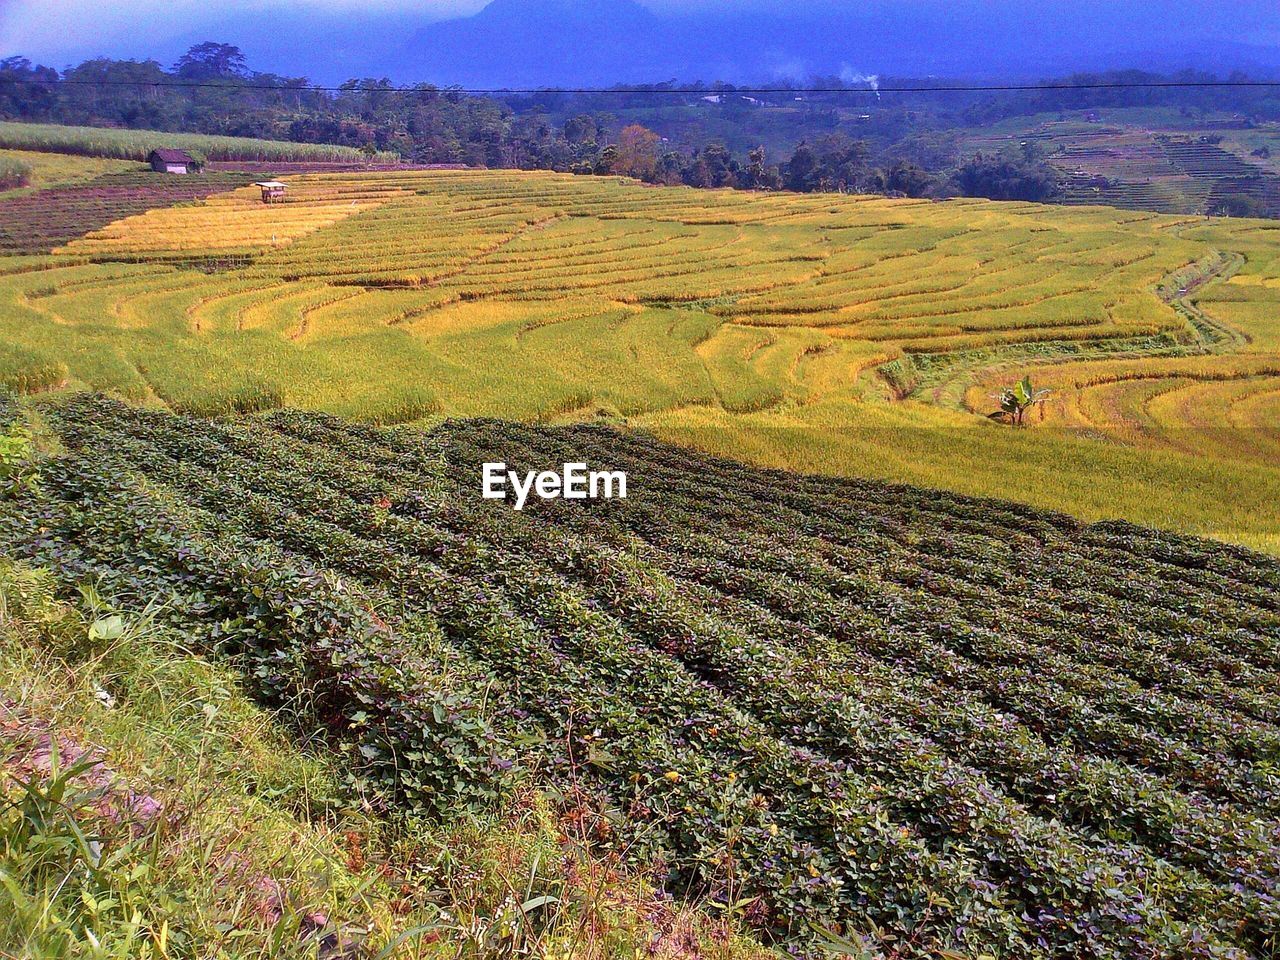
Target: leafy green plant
[1015, 401]
[902, 375]
[901, 753]
[18, 471]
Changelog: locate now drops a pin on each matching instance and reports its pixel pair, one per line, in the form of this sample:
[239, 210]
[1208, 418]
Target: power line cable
[676, 91]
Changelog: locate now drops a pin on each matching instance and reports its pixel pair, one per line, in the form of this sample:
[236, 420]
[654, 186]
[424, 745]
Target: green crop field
[832, 334]
[51, 169]
[816, 704]
[113, 143]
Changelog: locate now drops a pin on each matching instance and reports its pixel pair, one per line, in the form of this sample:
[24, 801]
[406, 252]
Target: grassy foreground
[148, 809]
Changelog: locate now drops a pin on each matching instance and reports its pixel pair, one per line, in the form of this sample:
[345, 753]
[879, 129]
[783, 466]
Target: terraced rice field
[1222, 403]
[815, 704]
[37, 221]
[1137, 161]
[825, 333]
[1223, 406]
[1226, 174]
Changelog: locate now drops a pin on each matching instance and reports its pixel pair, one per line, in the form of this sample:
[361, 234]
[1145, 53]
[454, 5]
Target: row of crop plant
[866, 707]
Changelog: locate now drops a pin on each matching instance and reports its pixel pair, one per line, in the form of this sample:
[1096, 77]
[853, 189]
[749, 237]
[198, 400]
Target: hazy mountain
[544, 42]
[589, 42]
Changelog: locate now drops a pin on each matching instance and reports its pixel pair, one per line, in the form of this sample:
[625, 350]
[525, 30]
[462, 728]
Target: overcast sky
[58, 30]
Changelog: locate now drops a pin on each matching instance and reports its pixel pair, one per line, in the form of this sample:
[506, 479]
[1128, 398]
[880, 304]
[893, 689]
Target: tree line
[906, 150]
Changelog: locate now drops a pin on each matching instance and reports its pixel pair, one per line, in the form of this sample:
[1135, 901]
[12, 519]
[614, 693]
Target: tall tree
[754, 175]
[637, 153]
[207, 60]
[802, 171]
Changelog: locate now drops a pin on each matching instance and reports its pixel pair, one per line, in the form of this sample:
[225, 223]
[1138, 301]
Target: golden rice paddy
[831, 333]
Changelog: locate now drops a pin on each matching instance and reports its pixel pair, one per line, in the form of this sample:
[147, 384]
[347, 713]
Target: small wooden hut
[166, 160]
[272, 191]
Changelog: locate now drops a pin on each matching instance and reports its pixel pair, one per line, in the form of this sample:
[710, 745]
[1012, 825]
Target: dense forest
[905, 143]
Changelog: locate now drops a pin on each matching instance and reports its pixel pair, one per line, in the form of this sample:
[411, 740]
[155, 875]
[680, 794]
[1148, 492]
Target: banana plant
[1015, 401]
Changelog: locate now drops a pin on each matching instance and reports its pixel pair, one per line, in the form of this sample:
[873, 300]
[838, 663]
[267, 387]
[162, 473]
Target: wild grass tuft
[149, 810]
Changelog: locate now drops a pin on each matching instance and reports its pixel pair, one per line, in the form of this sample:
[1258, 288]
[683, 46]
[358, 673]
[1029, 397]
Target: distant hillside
[578, 42]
